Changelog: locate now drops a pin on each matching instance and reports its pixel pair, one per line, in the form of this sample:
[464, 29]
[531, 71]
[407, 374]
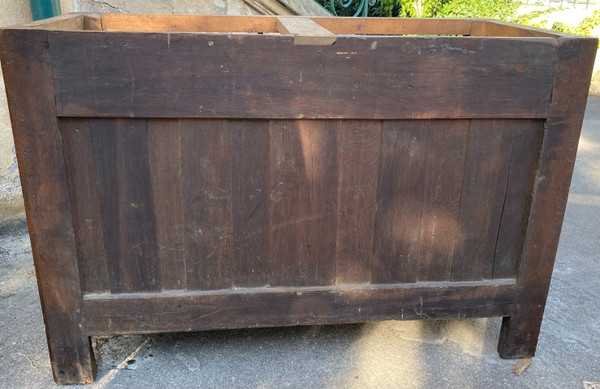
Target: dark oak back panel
[197, 204]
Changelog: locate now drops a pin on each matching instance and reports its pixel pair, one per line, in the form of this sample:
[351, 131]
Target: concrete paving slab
[391, 354]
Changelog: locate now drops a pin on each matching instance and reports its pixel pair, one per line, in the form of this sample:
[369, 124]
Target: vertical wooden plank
[358, 166]
[206, 175]
[103, 135]
[38, 145]
[138, 239]
[120, 149]
[483, 194]
[575, 60]
[525, 145]
[400, 200]
[443, 175]
[87, 218]
[165, 168]
[303, 202]
[250, 176]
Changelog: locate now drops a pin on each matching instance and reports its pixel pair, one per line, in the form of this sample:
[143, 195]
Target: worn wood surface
[305, 31]
[87, 215]
[519, 334]
[268, 24]
[120, 152]
[399, 201]
[303, 202]
[358, 174]
[164, 153]
[446, 145]
[189, 23]
[25, 63]
[525, 148]
[337, 25]
[286, 306]
[250, 203]
[206, 169]
[250, 145]
[497, 28]
[178, 182]
[395, 26]
[483, 194]
[218, 76]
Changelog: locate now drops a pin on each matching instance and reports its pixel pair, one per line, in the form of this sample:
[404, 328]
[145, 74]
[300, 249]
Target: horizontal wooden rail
[268, 77]
[497, 28]
[268, 24]
[256, 307]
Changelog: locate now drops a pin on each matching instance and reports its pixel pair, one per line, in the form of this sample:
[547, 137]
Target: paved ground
[423, 354]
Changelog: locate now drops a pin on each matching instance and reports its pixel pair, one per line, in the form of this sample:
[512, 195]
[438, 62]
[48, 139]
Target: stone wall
[203, 7]
[11, 202]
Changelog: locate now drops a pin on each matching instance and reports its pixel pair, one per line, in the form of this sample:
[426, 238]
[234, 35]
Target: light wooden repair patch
[305, 31]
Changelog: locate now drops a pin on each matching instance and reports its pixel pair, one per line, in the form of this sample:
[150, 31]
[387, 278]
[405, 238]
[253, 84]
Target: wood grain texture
[446, 145]
[250, 197]
[267, 24]
[303, 202]
[38, 144]
[497, 28]
[400, 201]
[358, 173]
[305, 31]
[120, 152]
[262, 307]
[206, 174]
[484, 190]
[220, 76]
[526, 143]
[189, 23]
[87, 218]
[164, 152]
[394, 26]
[520, 331]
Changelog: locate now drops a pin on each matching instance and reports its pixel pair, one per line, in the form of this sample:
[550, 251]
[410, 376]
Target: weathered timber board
[26, 67]
[227, 76]
[285, 306]
[250, 203]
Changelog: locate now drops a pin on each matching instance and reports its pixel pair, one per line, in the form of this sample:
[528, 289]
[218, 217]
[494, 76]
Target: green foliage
[501, 9]
[433, 9]
[528, 18]
[496, 9]
[584, 28]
